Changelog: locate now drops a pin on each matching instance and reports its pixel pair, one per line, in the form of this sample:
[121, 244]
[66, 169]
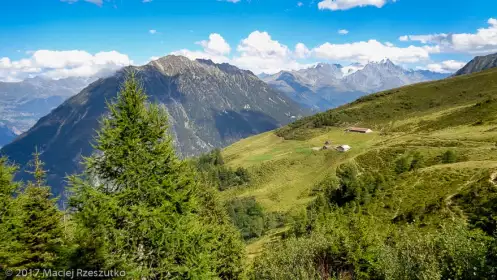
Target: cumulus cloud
[215, 45]
[483, 41]
[62, 64]
[335, 5]
[343, 32]
[448, 66]
[215, 49]
[301, 51]
[260, 53]
[261, 44]
[373, 50]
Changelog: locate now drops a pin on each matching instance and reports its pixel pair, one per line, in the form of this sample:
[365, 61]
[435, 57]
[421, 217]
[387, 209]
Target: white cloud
[96, 2]
[335, 5]
[146, 1]
[300, 4]
[62, 64]
[152, 58]
[448, 66]
[202, 55]
[483, 41]
[373, 50]
[231, 1]
[404, 38]
[343, 32]
[260, 53]
[152, 31]
[301, 51]
[261, 44]
[215, 45]
[215, 49]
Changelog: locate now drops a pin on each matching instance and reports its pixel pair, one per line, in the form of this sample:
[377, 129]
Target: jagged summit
[327, 65]
[325, 86]
[386, 61]
[174, 64]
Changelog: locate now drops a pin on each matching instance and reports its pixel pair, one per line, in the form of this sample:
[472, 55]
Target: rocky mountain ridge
[325, 86]
[209, 105]
[479, 63]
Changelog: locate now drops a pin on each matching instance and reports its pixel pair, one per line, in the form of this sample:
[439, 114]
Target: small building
[359, 130]
[343, 148]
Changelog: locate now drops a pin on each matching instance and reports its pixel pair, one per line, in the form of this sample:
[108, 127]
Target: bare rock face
[209, 105]
[479, 63]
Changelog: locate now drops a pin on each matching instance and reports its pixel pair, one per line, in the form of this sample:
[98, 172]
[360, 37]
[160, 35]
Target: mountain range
[23, 103]
[209, 105]
[326, 86]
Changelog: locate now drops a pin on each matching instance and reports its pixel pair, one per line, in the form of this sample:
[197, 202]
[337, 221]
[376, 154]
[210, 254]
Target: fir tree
[8, 188]
[136, 205]
[37, 230]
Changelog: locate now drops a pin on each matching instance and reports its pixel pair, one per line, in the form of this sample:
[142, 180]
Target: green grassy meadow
[428, 119]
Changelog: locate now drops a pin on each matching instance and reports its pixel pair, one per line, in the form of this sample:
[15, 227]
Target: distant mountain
[478, 64]
[325, 86]
[209, 105]
[23, 103]
[6, 135]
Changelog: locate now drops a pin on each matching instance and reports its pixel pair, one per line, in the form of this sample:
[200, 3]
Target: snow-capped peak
[352, 68]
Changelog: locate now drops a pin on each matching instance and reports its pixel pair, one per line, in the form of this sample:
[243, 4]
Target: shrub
[449, 156]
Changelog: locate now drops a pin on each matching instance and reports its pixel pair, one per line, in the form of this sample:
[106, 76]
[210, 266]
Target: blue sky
[260, 35]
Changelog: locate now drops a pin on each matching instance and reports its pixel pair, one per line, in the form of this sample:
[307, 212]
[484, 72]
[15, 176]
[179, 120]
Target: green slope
[420, 100]
[422, 123]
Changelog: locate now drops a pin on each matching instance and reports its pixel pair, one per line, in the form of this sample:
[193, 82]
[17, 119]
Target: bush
[451, 252]
[339, 246]
[355, 246]
[211, 165]
[449, 156]
[250, 219]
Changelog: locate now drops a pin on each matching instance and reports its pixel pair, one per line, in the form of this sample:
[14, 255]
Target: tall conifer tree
[136, 204]
[8, 188]
[37, 225]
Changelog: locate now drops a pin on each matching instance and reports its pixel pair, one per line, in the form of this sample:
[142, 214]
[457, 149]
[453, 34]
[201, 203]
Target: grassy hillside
[384, 109]
[432, 157]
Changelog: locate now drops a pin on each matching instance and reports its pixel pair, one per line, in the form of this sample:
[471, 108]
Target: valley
[248, 140]
[288, 175]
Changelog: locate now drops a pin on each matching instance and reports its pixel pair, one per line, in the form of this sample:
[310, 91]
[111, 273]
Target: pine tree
[39, 230]
[137, 205]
